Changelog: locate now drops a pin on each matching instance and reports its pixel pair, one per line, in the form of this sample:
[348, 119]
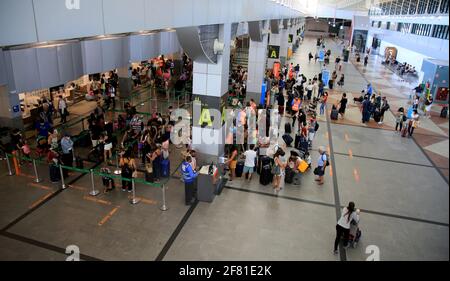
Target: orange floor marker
[40, 200]
[147, 201]
[104, 202]
[41, 186]
[350, 153]
[108, 216]
[331, 170]
[356, 175]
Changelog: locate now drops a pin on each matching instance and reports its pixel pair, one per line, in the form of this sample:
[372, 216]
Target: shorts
[108, 146]
[233, 165]
[249, 170]
[94, 143]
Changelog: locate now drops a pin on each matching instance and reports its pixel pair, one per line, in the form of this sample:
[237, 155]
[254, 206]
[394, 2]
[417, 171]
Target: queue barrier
[92, 172]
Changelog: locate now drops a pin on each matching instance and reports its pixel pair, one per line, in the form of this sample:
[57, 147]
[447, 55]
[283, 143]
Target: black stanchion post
[93, 192]
[164, 205]
[10, 172]
[134, 200]
[36, 174]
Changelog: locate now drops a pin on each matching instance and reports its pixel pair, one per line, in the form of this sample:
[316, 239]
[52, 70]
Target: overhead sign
[274, 52]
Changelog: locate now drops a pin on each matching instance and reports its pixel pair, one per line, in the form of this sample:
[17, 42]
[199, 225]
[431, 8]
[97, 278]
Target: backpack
[316, 127]
[327, 162]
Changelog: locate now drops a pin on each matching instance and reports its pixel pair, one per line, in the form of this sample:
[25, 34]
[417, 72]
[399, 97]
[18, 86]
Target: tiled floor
[400, 184]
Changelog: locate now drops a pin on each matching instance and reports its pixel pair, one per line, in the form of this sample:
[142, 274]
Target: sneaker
[129, 190]
[123, 189]
[335, 252]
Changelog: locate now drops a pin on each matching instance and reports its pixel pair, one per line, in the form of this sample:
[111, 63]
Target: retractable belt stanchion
[37, 179]
[164, 205]
[63, 184]
[93, 192]
[134, 200]
[10, 172]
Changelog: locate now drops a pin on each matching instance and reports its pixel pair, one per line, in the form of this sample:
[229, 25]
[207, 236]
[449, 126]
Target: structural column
[284, 45]
[275, 40]
[257, 61]
[10, 113]
[125, 81]
[210, 88]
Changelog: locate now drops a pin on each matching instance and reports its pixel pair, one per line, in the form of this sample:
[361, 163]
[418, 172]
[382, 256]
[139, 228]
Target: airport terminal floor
[400, 185]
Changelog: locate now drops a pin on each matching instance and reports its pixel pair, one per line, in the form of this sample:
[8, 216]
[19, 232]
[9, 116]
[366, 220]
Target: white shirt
[345, 221]
[250, 156]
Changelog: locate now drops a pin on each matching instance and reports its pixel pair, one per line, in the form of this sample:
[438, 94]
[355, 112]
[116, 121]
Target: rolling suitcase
[297, 141]
[288, 139]
[263, 161]
[290, 174]
[79, 163]
[266, 175]
[331, 84]
[287, 128]
[334, 114]
[303, 145]
[55, 175]
[239, 169]
[165, 168]
[297, 179]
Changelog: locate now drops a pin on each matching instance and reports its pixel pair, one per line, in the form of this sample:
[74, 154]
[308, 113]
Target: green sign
[274, 52]
[291, 38]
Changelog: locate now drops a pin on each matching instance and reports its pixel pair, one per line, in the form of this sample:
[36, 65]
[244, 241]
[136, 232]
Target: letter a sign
[274, 52]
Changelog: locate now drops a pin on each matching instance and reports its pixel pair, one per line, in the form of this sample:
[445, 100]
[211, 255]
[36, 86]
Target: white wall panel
[151, 46]
[200, 12]
[47, 60]
[112, 54]
[159, 14]
[3, 77]
[77, 59]
[25, 69]
[65, 63]
[92, 56]
[184, 8]
[114, 16]
[17, 22]
[55, 21]
[135, 47]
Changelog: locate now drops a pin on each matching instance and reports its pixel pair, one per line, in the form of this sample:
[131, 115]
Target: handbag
[135, 174]
[316, 171]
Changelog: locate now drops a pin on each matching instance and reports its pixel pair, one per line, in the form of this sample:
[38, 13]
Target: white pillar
[257, 61]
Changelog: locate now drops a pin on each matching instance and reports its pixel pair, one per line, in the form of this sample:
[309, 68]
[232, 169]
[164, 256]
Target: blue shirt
[369, 90]
[189, 175]
[43, 129]
[66, 145]
[322, 160]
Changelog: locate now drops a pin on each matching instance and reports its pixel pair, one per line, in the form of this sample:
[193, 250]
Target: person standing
[128, 169]
[278, 169]
[67, 153]
[309, 90]
[189, 178]
[365, 109]
[400, 119]
[62, 107]
[310, 57]
[369, 90]
[341, 81]
[349, 215]
[322, 163]
[250, 161]
[366, 60]
[232, 162]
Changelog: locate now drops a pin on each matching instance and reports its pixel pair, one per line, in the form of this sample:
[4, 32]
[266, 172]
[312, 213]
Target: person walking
[341, 81]
[400, 119]
[413, 123]
[310, 57]
[323, 103]
[343, 105]
[384, 107]
[349, 216]
[189, 178]
[322, 164]
[232, 162]
[366, 60]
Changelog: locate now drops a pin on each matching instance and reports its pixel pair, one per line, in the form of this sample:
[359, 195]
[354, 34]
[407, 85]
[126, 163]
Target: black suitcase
[55, 174]
[377, 116]
[334, 114]
[297, 141]
[266, 176]
[297, 179]
[444, 112]
[263, 161]
[79, 163]
[288, 139]
[290, 174]
[287, 128]
[239, 169]
[303, 145]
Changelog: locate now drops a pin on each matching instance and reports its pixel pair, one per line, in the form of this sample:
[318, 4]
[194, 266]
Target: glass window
[398, 7]
[388, 25]
[443, 9]
[422, 7]
[405, 7]
[379, 24]
[412, 7]
[432, 6]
